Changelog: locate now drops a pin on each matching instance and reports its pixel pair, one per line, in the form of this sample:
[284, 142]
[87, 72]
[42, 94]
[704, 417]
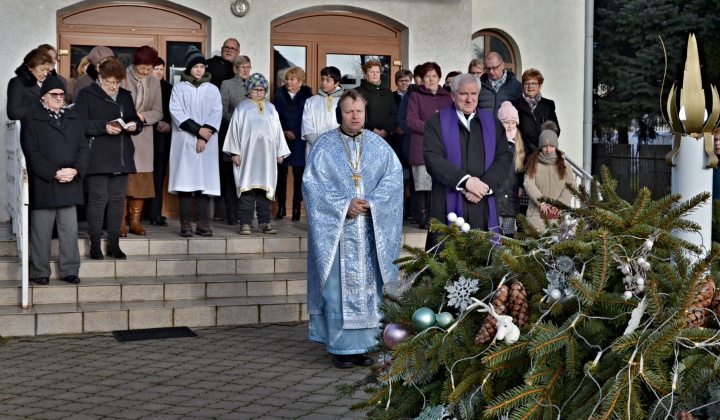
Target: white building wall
[550, 37]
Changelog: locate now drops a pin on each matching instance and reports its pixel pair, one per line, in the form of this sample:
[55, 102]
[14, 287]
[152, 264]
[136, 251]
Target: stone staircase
[167, 281]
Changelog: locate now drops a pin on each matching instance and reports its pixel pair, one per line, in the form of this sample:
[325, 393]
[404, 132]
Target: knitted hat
[256, 80]
[51, 83]
[98, 54]
[548, 138]
[507, 112]
[193, 56]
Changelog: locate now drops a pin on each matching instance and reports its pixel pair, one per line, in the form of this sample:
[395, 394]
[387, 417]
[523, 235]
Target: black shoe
[95, 250]
[362, 360]
[280, 214]
[342, 361]
[41, 281]
[113, 249]
[296, 215]
[72, 279]
[158, 221]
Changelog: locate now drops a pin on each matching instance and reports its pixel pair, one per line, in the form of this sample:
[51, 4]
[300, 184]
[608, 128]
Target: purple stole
[451, 141]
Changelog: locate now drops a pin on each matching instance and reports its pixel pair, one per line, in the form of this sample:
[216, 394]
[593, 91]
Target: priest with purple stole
[467, 156]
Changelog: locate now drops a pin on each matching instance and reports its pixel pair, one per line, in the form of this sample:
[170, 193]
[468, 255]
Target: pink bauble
[394, 335]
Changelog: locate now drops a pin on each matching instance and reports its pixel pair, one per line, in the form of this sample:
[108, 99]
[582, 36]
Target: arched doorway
[488, 40]
[345, 40]
[124, 27]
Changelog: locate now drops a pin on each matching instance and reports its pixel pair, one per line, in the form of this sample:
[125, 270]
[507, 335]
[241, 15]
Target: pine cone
[707, 291]
[487, 331]
[715, 304]
[489, 326]
[518, 305]
[684, 415]
[697, 316]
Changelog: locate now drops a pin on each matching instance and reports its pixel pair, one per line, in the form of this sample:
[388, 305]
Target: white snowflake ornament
[459, 292]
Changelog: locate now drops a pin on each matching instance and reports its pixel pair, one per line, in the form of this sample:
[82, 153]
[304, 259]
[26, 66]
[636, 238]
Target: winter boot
[95, 250]
[113, 249]
[136, 206]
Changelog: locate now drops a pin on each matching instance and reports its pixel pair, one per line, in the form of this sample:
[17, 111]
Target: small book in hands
[119, 123]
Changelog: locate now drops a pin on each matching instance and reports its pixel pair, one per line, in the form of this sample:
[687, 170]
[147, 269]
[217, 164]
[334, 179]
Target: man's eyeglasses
[229, 48]
[59, 95]
[494, 68]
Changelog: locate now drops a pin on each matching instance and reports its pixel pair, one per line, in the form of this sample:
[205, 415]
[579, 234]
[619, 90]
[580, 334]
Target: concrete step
[76, 318]
[172, 265]
[135, 289]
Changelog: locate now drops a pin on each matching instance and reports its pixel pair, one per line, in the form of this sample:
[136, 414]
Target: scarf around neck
[142, 103]
[187, 78]
[532, 102]
[550, 159]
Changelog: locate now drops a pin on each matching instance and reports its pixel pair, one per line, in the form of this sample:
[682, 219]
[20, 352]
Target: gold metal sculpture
[692, 98]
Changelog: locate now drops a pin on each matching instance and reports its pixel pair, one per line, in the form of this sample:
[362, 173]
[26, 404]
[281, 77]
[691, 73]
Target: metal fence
[16, 200]
[634, 167]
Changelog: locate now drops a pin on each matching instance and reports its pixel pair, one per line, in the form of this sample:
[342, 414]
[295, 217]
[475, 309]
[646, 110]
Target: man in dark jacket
[498, 84]
[220, 67]
[467, 155]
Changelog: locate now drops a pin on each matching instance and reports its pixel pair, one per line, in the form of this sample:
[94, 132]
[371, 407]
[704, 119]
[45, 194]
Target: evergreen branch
[608, 219]
[683, 209]
[601, 263]
[642, 200]
[515, 349]
[512, 398]
[465, 384]
[619, 389]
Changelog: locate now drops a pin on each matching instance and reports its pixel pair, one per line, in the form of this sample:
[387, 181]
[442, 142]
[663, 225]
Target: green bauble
[423, 319]
[444, 319]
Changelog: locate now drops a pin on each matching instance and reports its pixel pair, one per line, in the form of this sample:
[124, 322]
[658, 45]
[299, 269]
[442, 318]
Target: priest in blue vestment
[467, 156]
[353, 191]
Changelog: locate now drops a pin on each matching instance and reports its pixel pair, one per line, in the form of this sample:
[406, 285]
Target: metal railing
[581, 177]
[16, 200]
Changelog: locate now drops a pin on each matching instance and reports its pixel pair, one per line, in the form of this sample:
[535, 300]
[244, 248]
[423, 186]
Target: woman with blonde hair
[546, 174]
[507, 199]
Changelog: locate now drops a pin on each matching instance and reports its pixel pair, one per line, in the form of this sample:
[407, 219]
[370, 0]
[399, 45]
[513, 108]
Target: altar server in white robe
[256, 142]
[319, 113]
[353, 191]
[196, 109]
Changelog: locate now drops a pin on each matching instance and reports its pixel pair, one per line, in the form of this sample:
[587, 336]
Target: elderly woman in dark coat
[381, 109]
[111, 154]
[534, 110]
[56, 151]
[426, 101]
[24, 89]
[290, 102]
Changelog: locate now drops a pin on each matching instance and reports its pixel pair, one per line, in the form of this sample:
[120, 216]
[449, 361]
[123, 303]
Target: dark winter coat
[220, 70]
[445, 174]
[532, 121]
[421, 106]
[84, 81]
[490, 101]
[161, 141]
[290, 111]
[395, 139]
[381, 110]
[23, 91]
[507, 202]
[49, 145]
[108, 154]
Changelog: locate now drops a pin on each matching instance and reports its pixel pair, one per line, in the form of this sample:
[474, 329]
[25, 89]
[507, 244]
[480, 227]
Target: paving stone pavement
[238, 372]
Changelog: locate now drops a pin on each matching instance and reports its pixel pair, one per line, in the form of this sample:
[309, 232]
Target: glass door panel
[175, 58]
[284, 57]
[351, 68]
[351, 57]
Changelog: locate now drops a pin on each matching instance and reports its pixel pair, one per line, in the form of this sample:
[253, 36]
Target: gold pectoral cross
[356, 177]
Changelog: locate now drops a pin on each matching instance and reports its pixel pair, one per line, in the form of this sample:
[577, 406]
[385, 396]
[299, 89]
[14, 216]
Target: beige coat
[144, 141]
[546, 184]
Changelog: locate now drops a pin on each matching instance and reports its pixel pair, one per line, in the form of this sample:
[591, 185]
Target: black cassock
[445, 174]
